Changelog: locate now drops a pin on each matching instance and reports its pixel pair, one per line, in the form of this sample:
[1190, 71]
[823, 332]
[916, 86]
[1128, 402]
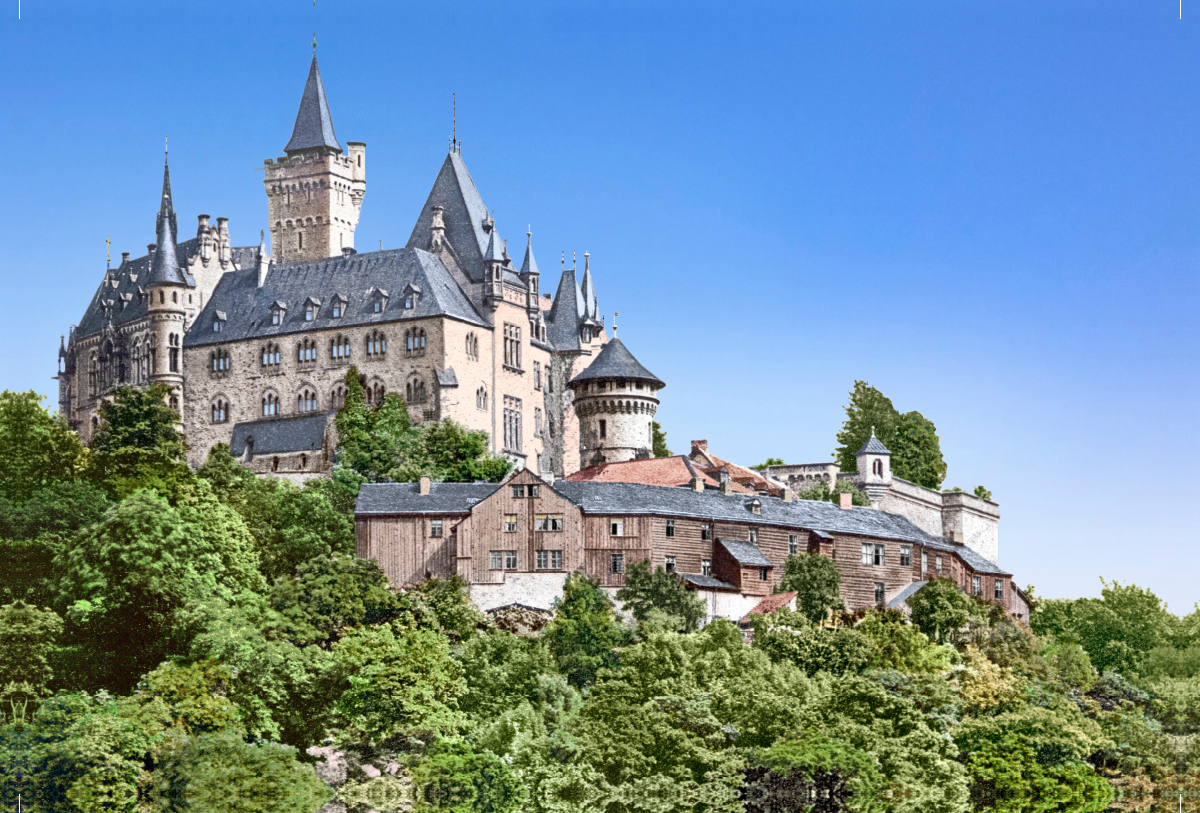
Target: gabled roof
[676, 470]
[463, 214]
[707, 582]
[281, 435]
[360, 276]
[615, 361]
[873, 446]
[314, 126]
[406, 498]
[771, 603]
[744, 553]
[164, 265]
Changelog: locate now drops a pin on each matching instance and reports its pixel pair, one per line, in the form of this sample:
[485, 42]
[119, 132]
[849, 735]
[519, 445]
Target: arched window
[481, 398]
[376, 343]
[306, 401]
[337, 397]
[270, 404]
[306, 351]
[414, 391]
[472, 347]
[220, 411]
[414, 342]
[219, 361]
[339, 347]
[877, 467]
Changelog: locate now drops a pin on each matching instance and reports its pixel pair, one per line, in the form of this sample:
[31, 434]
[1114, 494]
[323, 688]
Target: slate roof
[314, 125]
[248, 307]
[615, 361]
[164, 264]
[707, 582]
[463, 214]
[281, 435]
[447, 378]
[566, 312]
[873, 446]
[745, 554]
[905, 594]
[406, 498]
[529, 264]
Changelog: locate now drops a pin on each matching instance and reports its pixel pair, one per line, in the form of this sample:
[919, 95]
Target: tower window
[603, 428]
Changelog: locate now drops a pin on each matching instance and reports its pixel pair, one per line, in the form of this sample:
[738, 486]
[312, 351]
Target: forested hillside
[174, 640]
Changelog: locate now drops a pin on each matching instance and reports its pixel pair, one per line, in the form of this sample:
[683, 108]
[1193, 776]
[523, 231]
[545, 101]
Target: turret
[167, 286]
[530, 276]
[314, 193]
[615, 400]
[874, 468]
[493, 266]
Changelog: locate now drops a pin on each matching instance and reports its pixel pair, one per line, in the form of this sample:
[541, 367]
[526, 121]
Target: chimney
[346, 252]
[786, 495]
[697, 484]
[202, 227]
[726, 487]
[150, 248]
[955, 537]
[844, 499]
[699, 446]
[424, 487]
[124, 257]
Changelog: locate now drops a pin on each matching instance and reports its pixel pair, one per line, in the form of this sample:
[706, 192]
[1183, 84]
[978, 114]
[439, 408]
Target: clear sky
[987, 210]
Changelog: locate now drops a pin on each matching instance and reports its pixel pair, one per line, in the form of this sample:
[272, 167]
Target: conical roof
[314, 125]
[872, 446]
[164, 265]
[588, 290]
[495, 249]
[529, 265]
[615, 361]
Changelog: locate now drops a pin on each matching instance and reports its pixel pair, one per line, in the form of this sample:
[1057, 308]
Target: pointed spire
[529, 265]
[590, 308]
[314, 125]
[164, 266]
[494, 252]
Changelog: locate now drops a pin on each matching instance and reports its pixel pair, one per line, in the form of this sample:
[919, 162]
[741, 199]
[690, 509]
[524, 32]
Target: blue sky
[987, 210]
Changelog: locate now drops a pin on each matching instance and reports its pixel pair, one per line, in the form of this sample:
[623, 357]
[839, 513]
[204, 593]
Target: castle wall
[921, 506]
[803, 476]
[313, 203]
[976, 521]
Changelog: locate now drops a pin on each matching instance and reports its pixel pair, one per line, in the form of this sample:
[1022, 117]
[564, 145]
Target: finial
[107, 251]
[166, 149]
[453, 122]
[615, 315]
[381, 245]
[574, 262]
[314, 39]
[585, 260]
[563, 260]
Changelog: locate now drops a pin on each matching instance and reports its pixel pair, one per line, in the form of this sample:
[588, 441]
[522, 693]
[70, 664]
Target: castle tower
[615, 401]
[874, 469]
[167, 287]
[315, 193]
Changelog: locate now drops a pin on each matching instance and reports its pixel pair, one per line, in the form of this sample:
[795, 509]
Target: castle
[254, 348]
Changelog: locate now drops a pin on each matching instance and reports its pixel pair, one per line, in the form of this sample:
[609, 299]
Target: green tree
[1008, 777]
[817, 583]
[645, 591]
[821, 492]
[789, 636]
[939, 608]
[1116, 630]
[195, 696]
[450, 601]
[456, 779]
[502, 671]
[911, 438]
[770, 461]
[221, 773]
[138, 444]
[901, 646]
[458, 455]
[27, 637]
[584, 634]
[39, 449]
[659, 440]
[982, 493]
[777, 776]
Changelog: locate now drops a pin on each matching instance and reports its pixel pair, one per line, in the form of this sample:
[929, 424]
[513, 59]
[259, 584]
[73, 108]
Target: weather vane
[314, 36]
[107, 251]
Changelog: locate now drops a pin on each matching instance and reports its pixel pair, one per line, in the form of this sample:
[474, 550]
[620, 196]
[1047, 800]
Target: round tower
[167, 288]
[615, 400]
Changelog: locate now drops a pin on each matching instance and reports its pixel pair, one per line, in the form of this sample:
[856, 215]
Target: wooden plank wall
[404, 550]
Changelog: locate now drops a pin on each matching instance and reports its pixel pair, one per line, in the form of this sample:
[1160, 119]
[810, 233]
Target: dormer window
[755, 506]
[278, 310]
[411, 293]
[311, 308]
[379, 298]
[338, 306]
[218, 321]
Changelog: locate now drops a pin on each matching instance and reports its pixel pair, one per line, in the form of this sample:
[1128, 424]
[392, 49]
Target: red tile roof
[771, 603]
[652, 471]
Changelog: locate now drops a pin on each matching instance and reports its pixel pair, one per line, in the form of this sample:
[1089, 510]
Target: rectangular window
[878, 592]
[512, 347]
[542, 559]
[534, 490]
[510, 523]
[548, 522]
[906, 555]
[537, 375]
[670, 527]
[762, 574]
[617, 563]
[706, 567]
[670, 564]
[495, 559]
[793, 544]
[999, 590]
[878, 555]
[510, 560]
[337, 311]
[518, 492]
[976, 586]
[435, 527]
[556, 560]
[868, 553]
[753, 535]
[603, 428]
[705, 532]
[616, 527]
[937, 564]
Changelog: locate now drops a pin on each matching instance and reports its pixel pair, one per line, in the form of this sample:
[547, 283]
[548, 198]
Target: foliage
[817, 583]
[40, 450]
[645, 591]
[770, 461]
[1116, 630]
[27, 636]
[1169, 661]
[584, 634]
[982, 493]
[1072, 667]
[901, 646]
[138, 444]
[932, 695]
[939, 608]
[788, 636]
[456, 779]
[1054, 734]
[221, 773]
[911, 438]
[778, 776]
[1008, 776]
[659, 438]
[194, 696]
[450, 601]
[821, 492]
